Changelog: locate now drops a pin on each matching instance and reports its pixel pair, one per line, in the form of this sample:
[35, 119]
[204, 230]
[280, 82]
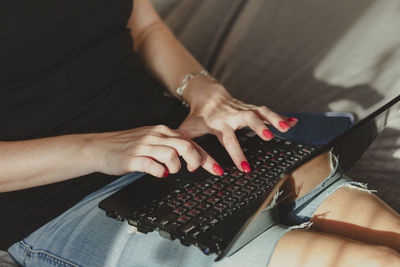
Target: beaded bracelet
[186, 80]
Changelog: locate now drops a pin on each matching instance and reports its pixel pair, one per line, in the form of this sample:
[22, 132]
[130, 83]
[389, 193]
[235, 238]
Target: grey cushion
[6, 260]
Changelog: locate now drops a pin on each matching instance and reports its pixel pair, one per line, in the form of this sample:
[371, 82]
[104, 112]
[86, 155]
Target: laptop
[221, 214]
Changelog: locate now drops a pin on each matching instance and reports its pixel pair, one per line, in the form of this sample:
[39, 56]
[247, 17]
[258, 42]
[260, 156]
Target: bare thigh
[302, 248]
[359, 215]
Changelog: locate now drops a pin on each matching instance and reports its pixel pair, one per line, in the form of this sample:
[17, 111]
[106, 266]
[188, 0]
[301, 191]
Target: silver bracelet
[186, 80]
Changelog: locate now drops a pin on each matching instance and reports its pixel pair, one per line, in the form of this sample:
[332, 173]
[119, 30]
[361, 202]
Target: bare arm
[151, 149]
[31, 163]
[212, 109]
[166, 58]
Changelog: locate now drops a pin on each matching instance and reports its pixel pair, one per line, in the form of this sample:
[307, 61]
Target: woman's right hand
[151, 149]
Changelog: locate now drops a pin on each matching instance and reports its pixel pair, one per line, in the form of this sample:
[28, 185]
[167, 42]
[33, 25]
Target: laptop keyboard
[195, 207]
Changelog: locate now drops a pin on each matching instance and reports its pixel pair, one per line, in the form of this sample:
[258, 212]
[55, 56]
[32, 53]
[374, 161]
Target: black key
[209, 192]
[212, 180]
[222, 193]
[248, 188]
[239, 194]
[250, 176]
[261, 170]
[220, 206]
[201, 220]
[218, 186]
[257, 162]
[173, 227]
[199, 198]
[174, 203]
[210, 214]
[228, 180]
[258, 192]
[241, 204]
[232, 209]
[195, 233]
[190, 204]
[178, 191]
[203, 206]
[186, 229]
[186, 186]
[180, 210]
[149, 218]
[193, 212]
[184, 197]
[232, 188]
[213, 200]
[203, 185]
[230, 200]
[256, 182]
[236, 174]
[214, 221]
[241, 182]
[193, 191]
[264, 187]
[164, 220]
[183, 219]
[204, 227]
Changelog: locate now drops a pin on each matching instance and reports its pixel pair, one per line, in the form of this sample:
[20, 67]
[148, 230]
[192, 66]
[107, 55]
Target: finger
[165, 130]
[273, 118]
[185, 148]
[148, 165]
[251, 119]
[292, 121]
[208, 163]
[164, 154]
[228, 139]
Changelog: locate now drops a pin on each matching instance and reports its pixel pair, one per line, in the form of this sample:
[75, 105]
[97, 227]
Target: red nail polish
[245, 166]
[165, 174]
[217, 169]
[267, 133]
[283, 125]
[292, 119]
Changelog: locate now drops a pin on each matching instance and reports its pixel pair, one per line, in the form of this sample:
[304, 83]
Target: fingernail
[165, 174]
[217, 169]
[284, 125]
[194, 170]
[292, 119]
[267, 133]
[245, 166]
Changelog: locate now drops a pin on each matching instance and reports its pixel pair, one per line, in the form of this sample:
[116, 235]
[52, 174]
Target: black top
[67, 66]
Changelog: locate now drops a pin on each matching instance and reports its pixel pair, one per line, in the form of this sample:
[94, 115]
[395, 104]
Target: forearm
[37, 162]
[163, 54]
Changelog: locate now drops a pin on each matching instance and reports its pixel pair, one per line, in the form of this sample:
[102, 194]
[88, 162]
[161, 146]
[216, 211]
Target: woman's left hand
[213, 110]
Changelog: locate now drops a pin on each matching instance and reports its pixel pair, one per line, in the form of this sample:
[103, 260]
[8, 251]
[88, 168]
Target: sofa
[303, 56]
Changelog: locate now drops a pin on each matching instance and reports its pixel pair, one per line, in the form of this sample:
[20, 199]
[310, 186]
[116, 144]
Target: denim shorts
[85, 236]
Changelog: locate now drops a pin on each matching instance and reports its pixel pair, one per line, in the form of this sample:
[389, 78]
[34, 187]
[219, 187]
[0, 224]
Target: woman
[75, 92]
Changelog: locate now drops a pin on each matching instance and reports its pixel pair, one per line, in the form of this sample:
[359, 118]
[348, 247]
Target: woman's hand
[153, 149]
[214, 110]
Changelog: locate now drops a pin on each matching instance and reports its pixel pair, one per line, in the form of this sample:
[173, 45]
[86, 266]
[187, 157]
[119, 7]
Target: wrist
[201, 90]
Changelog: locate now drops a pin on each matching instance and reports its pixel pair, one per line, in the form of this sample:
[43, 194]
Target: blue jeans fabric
[84, 236]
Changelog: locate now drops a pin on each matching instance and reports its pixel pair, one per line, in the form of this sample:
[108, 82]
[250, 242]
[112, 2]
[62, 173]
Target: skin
[155, 150]
[350, 228]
